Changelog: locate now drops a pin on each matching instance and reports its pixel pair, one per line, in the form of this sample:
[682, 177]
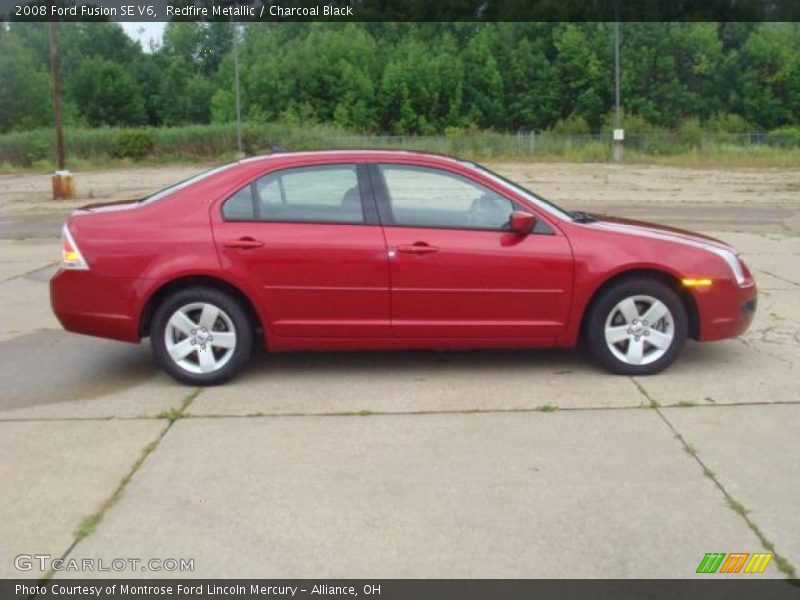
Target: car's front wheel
[637, 327]
[201, 336]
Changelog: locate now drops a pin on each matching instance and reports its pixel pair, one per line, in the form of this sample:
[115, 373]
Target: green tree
[483, 80]
[768, 89]
[107, 94]
[411, 78]
[584, 90]
[25, 91]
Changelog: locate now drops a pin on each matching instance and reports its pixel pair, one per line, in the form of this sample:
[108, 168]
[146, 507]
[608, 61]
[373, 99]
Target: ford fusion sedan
[377, 250]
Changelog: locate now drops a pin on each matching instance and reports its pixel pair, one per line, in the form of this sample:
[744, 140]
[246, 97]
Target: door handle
[417, 248]
[243, 243]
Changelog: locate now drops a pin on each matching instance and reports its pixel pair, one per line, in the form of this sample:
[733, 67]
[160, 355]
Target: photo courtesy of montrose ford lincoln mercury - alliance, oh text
[377, 250]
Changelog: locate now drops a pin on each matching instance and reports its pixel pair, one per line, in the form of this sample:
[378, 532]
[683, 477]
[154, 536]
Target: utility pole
[239, 151]
[63, 186]
[56, 97]
[619, 132]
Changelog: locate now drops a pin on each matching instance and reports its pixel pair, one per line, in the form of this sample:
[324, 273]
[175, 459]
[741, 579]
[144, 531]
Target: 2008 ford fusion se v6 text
[361, 250]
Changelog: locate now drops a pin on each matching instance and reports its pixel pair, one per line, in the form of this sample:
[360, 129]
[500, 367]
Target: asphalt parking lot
[410, 464]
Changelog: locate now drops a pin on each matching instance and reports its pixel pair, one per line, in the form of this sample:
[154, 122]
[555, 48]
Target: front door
[304, 240]
[456, 269]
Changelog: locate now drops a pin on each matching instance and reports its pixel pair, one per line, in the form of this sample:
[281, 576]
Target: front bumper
[725, 310]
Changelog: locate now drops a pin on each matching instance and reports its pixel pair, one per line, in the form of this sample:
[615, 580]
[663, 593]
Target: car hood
[645, 229]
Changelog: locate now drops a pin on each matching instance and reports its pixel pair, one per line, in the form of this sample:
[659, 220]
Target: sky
[145, 32]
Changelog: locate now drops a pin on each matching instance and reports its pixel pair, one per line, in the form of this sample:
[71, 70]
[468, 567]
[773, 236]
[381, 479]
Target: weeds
[217, 142]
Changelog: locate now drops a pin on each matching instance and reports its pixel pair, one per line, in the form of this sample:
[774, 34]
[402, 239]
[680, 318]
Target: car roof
[236, 174]
[363, 154]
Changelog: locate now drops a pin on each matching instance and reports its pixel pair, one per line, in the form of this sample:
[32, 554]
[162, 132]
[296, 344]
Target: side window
[319, 194]
[424, 197]
[312, 194]
[239, 207]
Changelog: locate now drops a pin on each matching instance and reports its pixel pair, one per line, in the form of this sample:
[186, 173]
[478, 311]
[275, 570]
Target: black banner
[713, 588]
[401, 10]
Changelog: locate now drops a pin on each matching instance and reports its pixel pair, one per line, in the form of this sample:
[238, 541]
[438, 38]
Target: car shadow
[55, 366]
[409, 361]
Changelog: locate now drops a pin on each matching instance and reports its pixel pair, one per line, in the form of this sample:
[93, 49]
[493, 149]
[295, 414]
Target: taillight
[71, 257]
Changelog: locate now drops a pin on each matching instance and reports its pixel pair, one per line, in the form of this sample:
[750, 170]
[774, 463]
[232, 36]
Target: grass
[89, 523]
[96, 148]
[172, 414]
[724, 156]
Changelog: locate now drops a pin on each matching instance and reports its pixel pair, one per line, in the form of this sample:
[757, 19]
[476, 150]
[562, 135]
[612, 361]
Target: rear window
[239, 207]
[185, 183]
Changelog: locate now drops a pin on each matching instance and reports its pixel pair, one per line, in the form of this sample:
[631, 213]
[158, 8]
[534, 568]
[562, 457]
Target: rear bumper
[726, 310]
[92, 305]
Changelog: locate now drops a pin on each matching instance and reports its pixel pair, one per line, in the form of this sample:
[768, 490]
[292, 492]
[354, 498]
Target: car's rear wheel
[637, 327]
[201, 336]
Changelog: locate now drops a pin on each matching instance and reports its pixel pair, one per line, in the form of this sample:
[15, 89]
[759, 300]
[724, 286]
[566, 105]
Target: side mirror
[522, 223]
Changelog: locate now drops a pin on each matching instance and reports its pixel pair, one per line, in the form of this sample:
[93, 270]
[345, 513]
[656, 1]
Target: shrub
[785, 136]
[132, 143]
[574, 125]
[692, 132]
[632, 123]
[39, 151]
[729, 123]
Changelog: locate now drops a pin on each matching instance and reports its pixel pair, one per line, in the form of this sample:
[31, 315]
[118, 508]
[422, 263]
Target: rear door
[456, 269]
[308, 239]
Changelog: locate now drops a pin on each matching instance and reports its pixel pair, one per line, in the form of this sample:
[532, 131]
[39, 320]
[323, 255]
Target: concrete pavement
[741, 445]
[569, 494]
[52, 472]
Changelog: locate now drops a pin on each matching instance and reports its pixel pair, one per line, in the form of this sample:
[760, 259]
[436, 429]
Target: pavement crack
[763, 352]
[174, 414]
[771, 274]
[781, 562]
[31, 272]
[88, 525]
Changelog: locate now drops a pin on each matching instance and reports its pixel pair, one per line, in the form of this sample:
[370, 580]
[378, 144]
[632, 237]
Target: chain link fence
[532, 143]
[216, 141]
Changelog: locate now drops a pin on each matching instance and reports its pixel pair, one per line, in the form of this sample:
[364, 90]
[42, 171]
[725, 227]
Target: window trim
[386, 214]
[369, 210]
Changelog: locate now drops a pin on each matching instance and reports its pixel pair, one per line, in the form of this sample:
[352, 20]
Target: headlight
[733, 261]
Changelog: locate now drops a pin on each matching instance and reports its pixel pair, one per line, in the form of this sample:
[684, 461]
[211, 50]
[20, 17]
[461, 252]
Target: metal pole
[619, 134]
[618, 120]
[56, 99]
[239, 151]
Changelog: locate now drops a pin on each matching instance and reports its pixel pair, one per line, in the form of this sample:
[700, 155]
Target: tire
[623, 339]
[201, 336]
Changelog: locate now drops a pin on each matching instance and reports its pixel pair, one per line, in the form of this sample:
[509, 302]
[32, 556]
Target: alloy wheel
[639, 330]
[200, 337]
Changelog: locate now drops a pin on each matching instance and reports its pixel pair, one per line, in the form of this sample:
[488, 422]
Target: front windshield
[185, 183]
[553, 209]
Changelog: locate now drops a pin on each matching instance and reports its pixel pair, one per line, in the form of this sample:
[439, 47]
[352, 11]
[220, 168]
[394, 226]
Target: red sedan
[362, 250]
